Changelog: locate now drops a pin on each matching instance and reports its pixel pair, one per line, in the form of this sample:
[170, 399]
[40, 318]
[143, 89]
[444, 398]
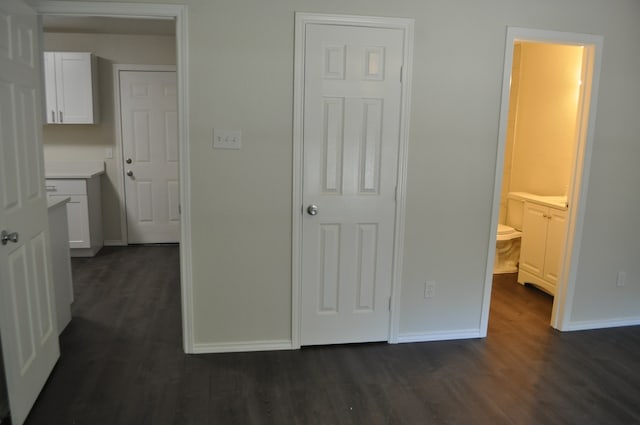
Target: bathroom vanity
[79, 181]
[543, 233]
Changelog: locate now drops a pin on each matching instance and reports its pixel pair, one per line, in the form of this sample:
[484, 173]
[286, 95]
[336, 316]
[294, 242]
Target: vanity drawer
[66, 187]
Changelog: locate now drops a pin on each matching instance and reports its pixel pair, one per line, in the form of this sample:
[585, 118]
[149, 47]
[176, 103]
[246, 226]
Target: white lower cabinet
[543, 231]
[60, 262]
[84, 213]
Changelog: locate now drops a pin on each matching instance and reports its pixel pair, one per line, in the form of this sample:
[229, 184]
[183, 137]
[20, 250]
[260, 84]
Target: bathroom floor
[524, 308]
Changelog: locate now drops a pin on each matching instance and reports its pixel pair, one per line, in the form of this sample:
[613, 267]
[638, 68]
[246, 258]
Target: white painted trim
[108, 9]
[112, 242]
[239, 347]
[157, 11]
[565, 288]
[301, 21]
[401, 193]
[563, 301]
[118, 151]
[601, 324]
[439, 335]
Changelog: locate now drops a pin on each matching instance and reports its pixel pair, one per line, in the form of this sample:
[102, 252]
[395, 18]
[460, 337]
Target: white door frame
[301, 22]
[118, 153]
[577, 191]
[179, 14]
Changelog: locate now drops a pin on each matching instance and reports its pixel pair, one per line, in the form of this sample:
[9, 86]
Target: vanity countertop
[73, 169]
[558, 201]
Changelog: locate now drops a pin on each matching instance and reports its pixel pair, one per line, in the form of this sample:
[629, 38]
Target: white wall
[88, 142]
[241, 77]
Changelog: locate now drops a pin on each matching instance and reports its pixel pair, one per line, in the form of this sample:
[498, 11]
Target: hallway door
[352, 105]
[27, 311]
[149, 119]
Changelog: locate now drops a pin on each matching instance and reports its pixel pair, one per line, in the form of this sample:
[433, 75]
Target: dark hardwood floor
[122, 363]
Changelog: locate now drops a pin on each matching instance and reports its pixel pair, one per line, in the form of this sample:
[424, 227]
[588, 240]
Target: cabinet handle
[74, 202]
[53, 116]
[60, 114]
[50, 188]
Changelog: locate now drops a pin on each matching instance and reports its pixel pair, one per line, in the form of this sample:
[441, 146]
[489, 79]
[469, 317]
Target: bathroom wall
[89, 142]
[541, 141]
[511, 126]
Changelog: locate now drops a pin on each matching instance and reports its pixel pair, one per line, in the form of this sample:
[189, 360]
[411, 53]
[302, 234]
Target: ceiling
[103, 25]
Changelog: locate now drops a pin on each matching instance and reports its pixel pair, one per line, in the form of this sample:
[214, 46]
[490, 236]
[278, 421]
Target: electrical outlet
[622, 278]
[430, 289]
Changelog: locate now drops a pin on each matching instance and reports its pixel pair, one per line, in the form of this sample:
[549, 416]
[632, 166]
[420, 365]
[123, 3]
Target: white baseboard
[114, 243]
[237, 347]
[439, 335]
[601, 324]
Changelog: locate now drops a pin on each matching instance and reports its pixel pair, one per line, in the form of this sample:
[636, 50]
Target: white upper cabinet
[71, 88]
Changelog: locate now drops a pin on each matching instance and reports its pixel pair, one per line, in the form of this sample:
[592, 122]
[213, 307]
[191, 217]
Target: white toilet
[508, 239]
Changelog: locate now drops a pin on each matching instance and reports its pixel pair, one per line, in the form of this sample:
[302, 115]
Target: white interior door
[150, 148]
[352, 95]
[27, 312]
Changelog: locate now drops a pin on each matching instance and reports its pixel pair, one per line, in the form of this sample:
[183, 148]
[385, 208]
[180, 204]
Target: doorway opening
[155, 19]
[546, 125]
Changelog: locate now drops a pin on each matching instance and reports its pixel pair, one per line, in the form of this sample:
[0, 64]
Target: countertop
[73, 169]
[558, 201]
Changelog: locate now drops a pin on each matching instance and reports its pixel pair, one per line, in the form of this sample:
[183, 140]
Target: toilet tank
[515, 212]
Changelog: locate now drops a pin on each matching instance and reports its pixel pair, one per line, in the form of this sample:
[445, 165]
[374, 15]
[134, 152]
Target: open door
[27, 316]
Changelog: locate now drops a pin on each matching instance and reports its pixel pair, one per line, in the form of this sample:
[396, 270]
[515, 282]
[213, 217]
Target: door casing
[301, 22]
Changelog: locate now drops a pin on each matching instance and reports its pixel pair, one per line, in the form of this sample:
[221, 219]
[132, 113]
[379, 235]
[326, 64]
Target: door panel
[150, 140]
[555, 245]
[534, 227]
[29, 331]
[351, 124]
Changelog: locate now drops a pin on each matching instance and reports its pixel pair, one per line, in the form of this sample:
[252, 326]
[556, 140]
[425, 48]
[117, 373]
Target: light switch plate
[227, 139]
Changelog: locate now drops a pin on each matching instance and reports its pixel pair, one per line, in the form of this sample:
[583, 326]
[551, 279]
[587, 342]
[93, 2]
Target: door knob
[130, 173]
[129, 161]
[6, 237]
[312, 209]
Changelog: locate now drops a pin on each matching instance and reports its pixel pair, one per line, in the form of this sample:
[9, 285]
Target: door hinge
[401, 68]
[179, 209]
[396, 194]
[389, 303]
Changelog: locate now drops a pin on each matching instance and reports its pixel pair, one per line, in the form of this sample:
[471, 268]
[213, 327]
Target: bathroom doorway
[546, 132]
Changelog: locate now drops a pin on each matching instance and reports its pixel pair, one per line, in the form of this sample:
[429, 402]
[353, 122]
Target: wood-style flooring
[122, 364]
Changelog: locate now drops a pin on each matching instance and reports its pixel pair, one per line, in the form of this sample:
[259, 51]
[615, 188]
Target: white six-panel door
[27, 311]
[352, 95]
[150, 148]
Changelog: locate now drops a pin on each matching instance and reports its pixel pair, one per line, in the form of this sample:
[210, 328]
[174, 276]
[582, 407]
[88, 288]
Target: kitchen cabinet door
[71, 88]
[78, 219]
